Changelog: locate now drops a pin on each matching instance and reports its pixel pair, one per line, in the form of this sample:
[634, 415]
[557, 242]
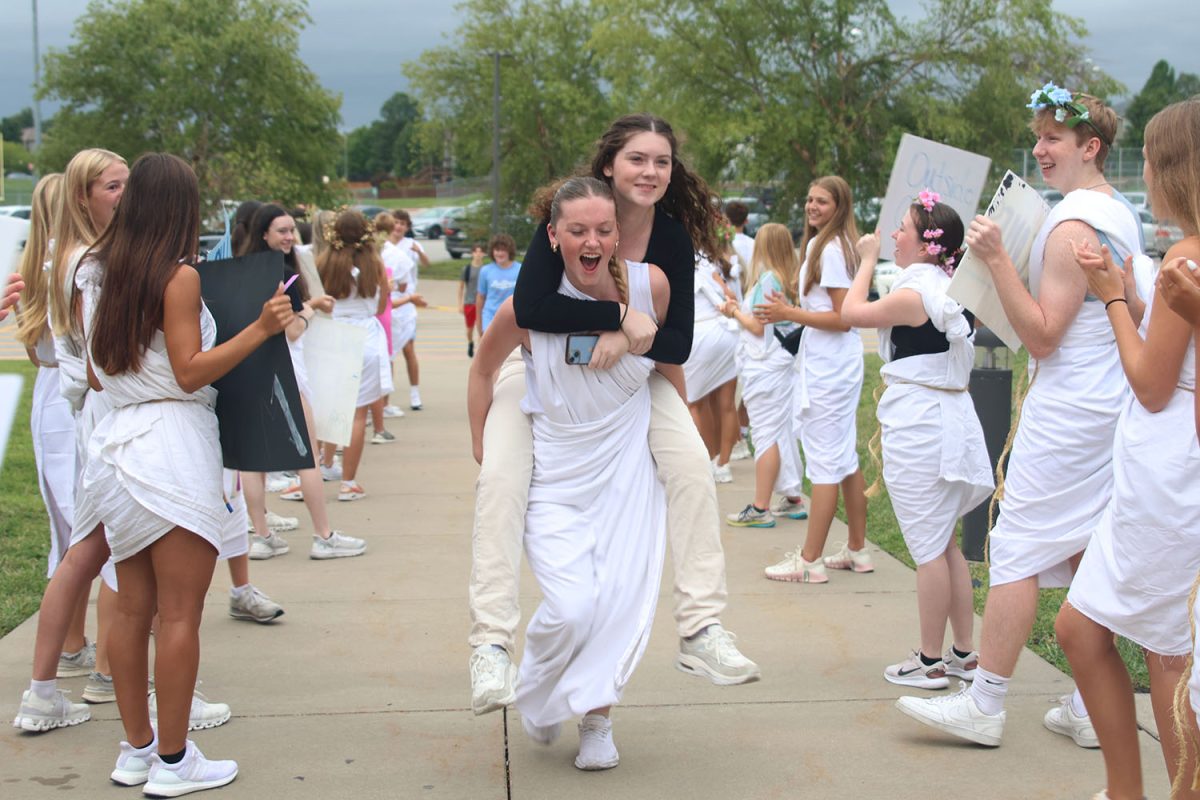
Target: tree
[11, 127]
[1162, 88]
[553, 98]
[217, 82]
[16, 157]
[388, 145]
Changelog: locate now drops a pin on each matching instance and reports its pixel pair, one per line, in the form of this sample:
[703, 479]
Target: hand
[417, 300]
[773, 309]
[1105, 279]
[608, 351]
[731, 306]
[868, 247]
[322, 303]
[12, 293]
[276, 313]
[639, 329]
[983, 238]
[1179, 282]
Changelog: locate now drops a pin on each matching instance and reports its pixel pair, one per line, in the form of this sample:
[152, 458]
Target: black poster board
[258, 404]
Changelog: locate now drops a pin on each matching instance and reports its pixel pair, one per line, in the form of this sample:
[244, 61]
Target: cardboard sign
[334, 351]
[1019, 211]
[12, 240]
[957, 175]
[258, 404]
[10, 401]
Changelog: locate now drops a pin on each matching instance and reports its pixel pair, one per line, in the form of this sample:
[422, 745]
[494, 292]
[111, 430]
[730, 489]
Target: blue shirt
[496, 285]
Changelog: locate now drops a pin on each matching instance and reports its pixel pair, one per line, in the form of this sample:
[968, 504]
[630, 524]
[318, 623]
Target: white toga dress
[713, 360]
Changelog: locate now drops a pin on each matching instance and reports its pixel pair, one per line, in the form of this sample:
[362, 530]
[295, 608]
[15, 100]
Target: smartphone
[580, 347]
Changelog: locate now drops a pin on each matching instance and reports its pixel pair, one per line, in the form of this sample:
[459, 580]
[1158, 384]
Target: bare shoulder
[1072, 230]
[660, 287]
[184, 285]
[1185, 248]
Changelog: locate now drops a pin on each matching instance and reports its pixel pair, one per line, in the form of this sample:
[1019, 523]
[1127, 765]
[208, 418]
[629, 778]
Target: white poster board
[956, 175]
[333, 358]
[10, 400]
[1019, 211]
[13, 231]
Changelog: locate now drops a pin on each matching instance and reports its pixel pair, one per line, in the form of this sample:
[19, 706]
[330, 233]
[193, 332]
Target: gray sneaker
[264, 547]
[76, 665]
[37, 715]
[751, 517]
[254, 605]
[712, 654]
[99, 689]
[201, 716]
[338, 545]
[493, 679]
[383, 437]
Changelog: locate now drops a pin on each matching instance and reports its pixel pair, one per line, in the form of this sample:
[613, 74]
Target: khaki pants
[502, 493]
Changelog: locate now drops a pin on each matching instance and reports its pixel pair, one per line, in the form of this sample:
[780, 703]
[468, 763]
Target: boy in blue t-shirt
[498, 279]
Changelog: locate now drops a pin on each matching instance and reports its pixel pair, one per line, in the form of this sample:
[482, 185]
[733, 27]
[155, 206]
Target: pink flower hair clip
[934, 249]
[929, 198]
[933, 233]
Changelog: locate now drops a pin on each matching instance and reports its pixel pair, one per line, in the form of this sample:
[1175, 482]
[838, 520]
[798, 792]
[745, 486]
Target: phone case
[579, 348]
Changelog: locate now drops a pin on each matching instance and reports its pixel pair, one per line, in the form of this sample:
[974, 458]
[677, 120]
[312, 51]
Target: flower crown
[928, 198]
[725, 232]
[1067, 108]
[335, 241]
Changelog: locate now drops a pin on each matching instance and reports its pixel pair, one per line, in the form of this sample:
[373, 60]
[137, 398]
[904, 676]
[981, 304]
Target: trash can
[991, 392]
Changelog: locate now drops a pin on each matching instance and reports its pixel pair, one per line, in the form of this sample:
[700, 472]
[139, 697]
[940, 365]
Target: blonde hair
[385, 223]
[35, 298]
[1173, 150]
[73, 227]
[1183, 721]
[841, 229]
[320, 220]
[775, 253]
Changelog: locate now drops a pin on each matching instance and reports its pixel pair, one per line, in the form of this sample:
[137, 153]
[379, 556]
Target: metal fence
[1123, 168]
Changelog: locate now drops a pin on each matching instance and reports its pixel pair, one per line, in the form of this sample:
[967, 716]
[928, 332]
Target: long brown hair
[255, 241]
[351, 244]
[841, 229]
[1173, 150]
[155, 229]
[36, 297]
[579, 189]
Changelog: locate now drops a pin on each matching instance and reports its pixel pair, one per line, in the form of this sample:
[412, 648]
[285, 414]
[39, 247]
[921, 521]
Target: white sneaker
[794, 568]
[133, 765]
[596, 748]
[853, 560]
[351, 491]
[964, 667]
[956, 714]
[721, 472]
[264, 547]
[331, 473]
[99, 689]
[493, 679]
[912, 671]
[741, 451]
[713, 655]
[414, 400]
[391, 412]
[276, 482]
[1062, 719]
[253, 605]
[202, 715]
[193, 774]
[338, 545]
[37, 715]
[281, 524]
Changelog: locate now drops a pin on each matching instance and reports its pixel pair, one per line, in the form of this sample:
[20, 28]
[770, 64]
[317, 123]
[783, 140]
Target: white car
[21, 212]
[885, 275]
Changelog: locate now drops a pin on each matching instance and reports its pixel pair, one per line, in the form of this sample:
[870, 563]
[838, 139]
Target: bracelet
[1115, 300]
[621, 324]
[303, 319]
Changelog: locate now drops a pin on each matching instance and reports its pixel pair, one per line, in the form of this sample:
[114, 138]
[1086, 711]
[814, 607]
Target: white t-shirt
[834, 275]
[743, 245]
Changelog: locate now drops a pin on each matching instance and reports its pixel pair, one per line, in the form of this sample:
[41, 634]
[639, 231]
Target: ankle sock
[926, 660]
[759, 510]
[144, 747]
[1077, 706]
[958, 652]
[988, 691]
[173, 758]
[240, 591]
[44, 690]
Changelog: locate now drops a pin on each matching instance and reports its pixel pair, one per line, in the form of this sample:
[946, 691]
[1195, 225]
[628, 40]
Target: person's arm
[462, 285]
[1042, 323]
[385, 294]
[502, 336]
[540, 307]
[898, 308]
[671, 249]
[195, 368]
[1151, 367]
[422, 259]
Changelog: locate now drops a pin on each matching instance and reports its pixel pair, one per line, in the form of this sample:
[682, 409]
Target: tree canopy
[1162, 88]
[217, 82]
[390, 144]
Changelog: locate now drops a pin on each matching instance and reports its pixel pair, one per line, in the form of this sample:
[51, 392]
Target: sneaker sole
[794, 577]
[382, 441]
[292, 496]
[207, 724]
[252, 618]
[918, 680]
[723, 480]
[488, 705]
[291, 526]
[694, 665]
[597, 767]
[800, 515]
[961, 674]
[325, 556]
[731, 523]
[98, 699]
[850, 568]
[1089, 744]
[984, 739]
[350, 497]
[73, 672]
[179, 789]
[44, 725]
[128, 777]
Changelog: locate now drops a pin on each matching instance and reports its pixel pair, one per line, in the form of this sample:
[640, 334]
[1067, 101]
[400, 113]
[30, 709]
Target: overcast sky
[356, 47]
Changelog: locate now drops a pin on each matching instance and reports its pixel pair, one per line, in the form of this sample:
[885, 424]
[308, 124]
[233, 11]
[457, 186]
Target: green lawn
[17, 192]
[24, 531]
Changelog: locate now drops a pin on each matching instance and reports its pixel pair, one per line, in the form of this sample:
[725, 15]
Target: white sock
[44, 690]
[1077, 706]
[239, 591]
[988, 691]
[414, 394]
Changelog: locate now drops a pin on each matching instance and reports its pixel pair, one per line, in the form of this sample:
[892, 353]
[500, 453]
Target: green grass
[883, 530]
[24, 527]
[17, 192]
[448, 270]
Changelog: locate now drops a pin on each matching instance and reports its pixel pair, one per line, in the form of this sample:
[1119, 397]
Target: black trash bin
[991, 392]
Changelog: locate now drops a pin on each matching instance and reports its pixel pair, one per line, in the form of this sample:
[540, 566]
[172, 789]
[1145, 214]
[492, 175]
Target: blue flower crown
[1067, 110]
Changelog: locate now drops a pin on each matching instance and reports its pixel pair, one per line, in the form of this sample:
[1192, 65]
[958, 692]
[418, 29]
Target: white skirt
[404, 326]
[1139, 567]
[95, 407]
[52, 425]
[713, 360]
[826, 404]
[767, 387]
[377, 366]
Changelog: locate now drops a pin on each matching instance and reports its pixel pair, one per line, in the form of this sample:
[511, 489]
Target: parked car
[432, 222]
[21, 212]
[1159, 235]
[370, 212]
[1139, 200]
[886, 273]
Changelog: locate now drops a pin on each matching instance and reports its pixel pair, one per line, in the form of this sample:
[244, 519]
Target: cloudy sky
[356, 47]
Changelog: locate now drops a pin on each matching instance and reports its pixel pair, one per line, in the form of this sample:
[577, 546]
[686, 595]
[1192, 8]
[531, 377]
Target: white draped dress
[1059, 477]
[595, 526]
[52, 425]
[829, 367]
[935, 460]
[154, 460]
[713, 360]
[768, 383]
[1138, 569]
[377, 367]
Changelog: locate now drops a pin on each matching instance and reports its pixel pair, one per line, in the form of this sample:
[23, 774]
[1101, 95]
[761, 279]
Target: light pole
[37, 79]
[496, 56]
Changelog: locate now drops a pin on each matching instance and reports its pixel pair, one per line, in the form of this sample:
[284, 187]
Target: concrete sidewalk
[361, 690]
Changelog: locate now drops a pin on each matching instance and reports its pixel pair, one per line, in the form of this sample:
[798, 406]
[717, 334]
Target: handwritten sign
[334, 351]
[12, 239]
[1019, 211]
[957, 175]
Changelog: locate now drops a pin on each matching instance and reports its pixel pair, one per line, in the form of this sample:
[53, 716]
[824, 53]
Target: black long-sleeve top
[540, 307]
